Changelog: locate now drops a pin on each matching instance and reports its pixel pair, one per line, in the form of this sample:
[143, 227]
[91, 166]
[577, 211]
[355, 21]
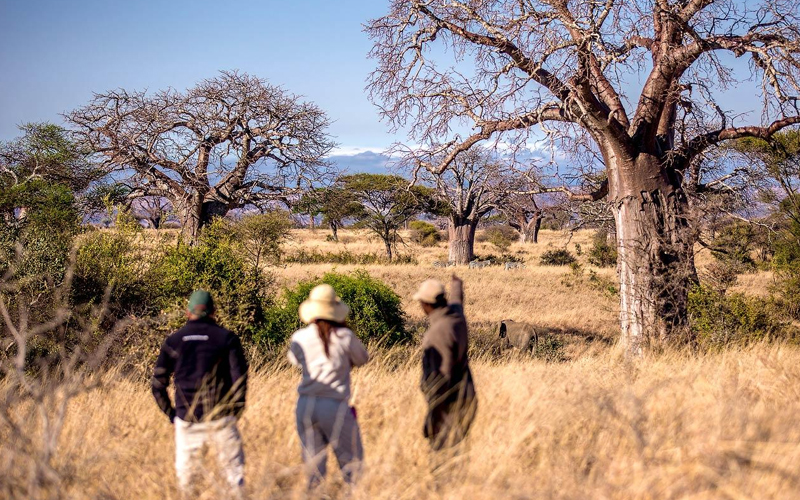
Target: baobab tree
[524, 215]
[572, 68]
[471, 186]
[228, 142]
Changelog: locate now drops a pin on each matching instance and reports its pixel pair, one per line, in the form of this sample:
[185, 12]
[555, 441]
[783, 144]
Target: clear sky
[55, 53]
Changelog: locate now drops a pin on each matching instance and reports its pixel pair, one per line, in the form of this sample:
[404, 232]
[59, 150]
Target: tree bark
[335, 231]
[654, 241]
[536, 227]
[388, 242]
[462, 241]
[195, 214]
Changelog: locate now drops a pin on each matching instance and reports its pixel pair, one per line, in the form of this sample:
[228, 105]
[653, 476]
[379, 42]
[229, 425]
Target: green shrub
[498, 260]
[376, 312]
[734, 244]
[602, 254]
[558, 257]
[242, 293]
[262, 235]
[110, 259]
[550, 349]
[45, 233]
[719, 319]
[501, 237]
[424, 233]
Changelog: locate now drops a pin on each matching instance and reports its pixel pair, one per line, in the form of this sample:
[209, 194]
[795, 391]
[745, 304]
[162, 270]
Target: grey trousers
[322, 422]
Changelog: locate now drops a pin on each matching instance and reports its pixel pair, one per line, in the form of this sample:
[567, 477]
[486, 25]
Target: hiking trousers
[223, 436]
[448, 423]
[326, 421]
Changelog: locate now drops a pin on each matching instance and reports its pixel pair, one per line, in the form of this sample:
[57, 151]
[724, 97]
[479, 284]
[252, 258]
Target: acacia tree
[228, 142]
[566, 66]
[335, 205]
[386, 203]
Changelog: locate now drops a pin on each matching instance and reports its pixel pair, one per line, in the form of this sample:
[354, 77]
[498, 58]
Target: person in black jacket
[210, 375]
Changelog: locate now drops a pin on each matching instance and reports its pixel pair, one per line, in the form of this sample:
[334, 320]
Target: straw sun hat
[322, 303]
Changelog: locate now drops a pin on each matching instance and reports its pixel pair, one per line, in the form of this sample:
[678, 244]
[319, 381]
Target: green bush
[719, 319]
[558, 257]
[602, 254]
[262, 235]
[549, 348]
[734, 244]
[242, 293]
[45, 232]
[499, 260]
[110, 259]
[501, 237]
[376, 312]
[424, 233]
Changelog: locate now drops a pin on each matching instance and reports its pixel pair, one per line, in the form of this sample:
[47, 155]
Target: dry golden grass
[674, 425]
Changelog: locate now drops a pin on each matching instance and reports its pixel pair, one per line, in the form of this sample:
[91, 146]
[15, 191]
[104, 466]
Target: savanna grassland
[585, 424]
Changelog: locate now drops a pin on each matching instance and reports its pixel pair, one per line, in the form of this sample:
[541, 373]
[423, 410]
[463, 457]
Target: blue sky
[54, 54]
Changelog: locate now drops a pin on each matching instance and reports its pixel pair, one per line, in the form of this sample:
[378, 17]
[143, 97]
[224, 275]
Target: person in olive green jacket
[446, 378]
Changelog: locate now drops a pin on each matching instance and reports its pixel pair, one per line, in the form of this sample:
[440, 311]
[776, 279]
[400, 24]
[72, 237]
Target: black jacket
[210, 373]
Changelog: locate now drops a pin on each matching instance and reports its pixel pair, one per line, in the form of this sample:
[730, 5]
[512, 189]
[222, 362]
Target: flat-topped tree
[566, 65]
[384, 204]
[230, 141]
[335, 205]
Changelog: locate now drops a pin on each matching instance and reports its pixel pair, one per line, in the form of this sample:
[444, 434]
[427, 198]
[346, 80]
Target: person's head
[201, 305]
[431, 296]
[324, 308]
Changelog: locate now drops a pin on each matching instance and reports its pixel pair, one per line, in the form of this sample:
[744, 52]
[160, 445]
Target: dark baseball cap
[200, 303]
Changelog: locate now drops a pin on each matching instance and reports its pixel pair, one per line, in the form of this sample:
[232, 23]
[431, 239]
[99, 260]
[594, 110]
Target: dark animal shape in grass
[515, 335]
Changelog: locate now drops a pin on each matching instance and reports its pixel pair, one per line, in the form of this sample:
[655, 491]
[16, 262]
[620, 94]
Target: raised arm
[457, 292]
[165, 366]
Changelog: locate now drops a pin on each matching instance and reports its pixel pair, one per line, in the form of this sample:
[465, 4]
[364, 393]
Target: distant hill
[367, 161]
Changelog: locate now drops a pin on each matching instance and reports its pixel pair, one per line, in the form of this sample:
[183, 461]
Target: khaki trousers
[223, 436]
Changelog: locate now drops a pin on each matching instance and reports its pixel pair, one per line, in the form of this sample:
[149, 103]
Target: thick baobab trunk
[528, 230]
[195, 214]
[654, 241]
[461, 241]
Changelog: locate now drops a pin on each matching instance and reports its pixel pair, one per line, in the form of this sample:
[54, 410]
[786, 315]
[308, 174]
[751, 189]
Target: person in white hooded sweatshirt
[326, 350]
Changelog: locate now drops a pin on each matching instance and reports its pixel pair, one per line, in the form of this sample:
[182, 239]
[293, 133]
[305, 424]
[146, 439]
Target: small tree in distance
[334, 204]
[386, 203]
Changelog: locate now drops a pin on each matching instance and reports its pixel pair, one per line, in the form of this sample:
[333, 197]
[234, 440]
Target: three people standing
[210, 375]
